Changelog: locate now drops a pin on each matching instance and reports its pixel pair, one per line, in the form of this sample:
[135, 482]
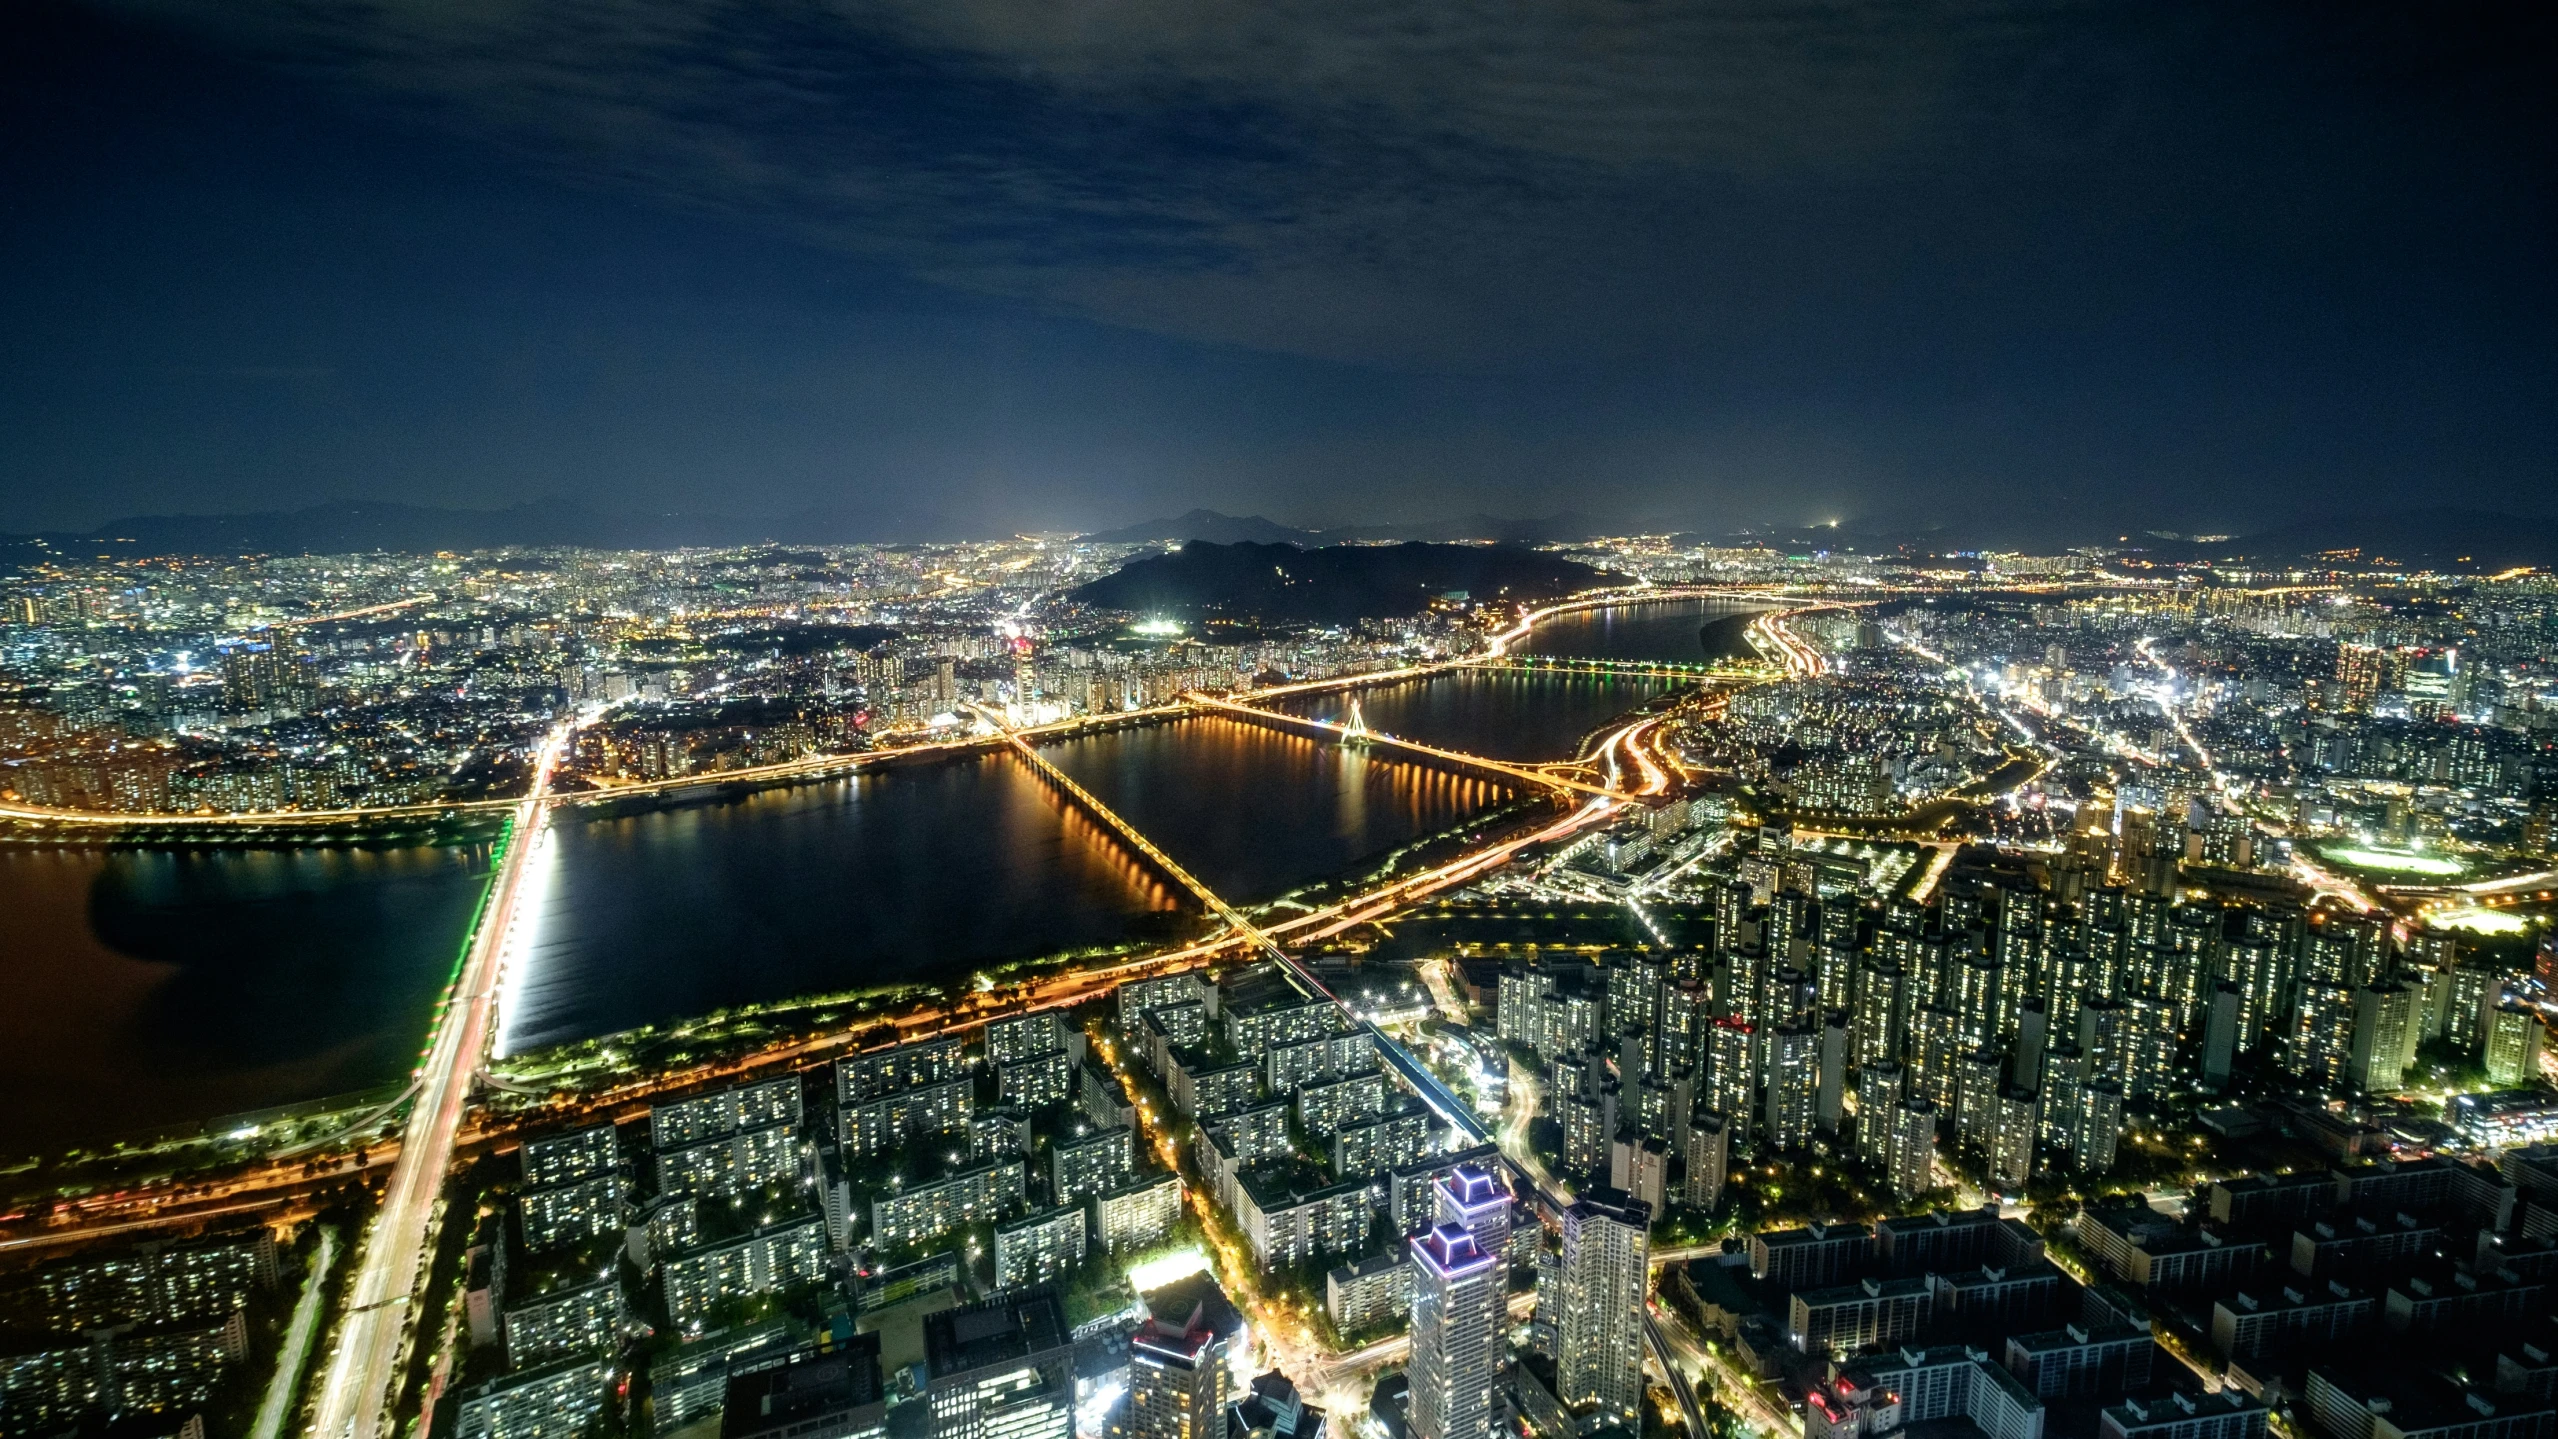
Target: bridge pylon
[1355, 732]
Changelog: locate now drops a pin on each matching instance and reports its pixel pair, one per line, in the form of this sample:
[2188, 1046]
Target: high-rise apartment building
[2385, 1034]
[1793, 1086]
[1878, 1098]
[2098, 1126]
[2011, 1147]
[1709, 1156]
[1600, 1331]
[1471, 1198]
[1731, 1086]
[1458, 1295]
[2514, 1038]
[1176, 1382]
[1913, 1150]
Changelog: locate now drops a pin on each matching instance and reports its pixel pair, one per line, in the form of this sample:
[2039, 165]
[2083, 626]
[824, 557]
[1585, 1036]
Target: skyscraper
[1600, 1332]
[1457, 1308]
[1470, 1198]
[1176, 1383]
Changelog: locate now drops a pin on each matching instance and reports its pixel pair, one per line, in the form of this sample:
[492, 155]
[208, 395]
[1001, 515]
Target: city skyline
[1346, 719]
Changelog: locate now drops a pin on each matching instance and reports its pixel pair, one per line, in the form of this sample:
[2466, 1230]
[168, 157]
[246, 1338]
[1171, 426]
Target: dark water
[1687, 631]
[1506, 715]
[1255, 812]
[153, 988]
[923, 872]
[930, 873]
[148, 988]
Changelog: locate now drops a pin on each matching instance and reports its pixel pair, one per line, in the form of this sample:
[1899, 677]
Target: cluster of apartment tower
[2010, 1028]
[827, 1178]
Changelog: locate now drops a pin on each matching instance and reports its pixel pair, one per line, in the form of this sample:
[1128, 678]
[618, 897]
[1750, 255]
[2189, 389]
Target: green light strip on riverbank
[462, 956]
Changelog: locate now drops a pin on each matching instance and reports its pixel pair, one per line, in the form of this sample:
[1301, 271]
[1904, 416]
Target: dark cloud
[1331, 258]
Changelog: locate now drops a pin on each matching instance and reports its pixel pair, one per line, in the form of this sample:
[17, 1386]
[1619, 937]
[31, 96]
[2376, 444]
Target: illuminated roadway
[1521, 773]
[358, 1385]
[821, 766]
[1433, 1093]
[357, 1389]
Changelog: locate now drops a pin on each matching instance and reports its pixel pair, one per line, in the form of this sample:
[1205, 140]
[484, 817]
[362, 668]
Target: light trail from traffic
[356, 1388]
[2167, 706]
[356, 1391]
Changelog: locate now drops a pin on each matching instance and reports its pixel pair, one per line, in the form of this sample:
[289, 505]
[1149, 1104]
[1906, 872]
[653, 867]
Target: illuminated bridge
[1327, 729]
[1442, 1100]
[1649, 669]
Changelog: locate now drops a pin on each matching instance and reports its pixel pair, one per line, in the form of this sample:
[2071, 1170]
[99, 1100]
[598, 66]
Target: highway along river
[158, 989]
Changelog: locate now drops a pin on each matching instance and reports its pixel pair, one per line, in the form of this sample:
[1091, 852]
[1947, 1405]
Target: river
[152, 988]
[1681, 631]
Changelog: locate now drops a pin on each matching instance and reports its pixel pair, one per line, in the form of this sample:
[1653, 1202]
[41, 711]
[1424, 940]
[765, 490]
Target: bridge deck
[1524, 774]
[1438, 1096]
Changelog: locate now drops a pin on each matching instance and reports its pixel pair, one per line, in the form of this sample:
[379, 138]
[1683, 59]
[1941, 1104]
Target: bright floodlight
[2396, 861]
[2477, 921]
[1163, 1269]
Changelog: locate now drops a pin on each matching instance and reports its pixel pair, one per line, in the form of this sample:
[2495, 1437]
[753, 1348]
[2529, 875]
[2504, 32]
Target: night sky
[1078, 262]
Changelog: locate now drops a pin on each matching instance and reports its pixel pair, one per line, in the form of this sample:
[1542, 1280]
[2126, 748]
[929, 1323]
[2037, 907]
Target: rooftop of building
[1450, 1250]
[1194, 1301]
[793, 1397]
[2436, 1276]
[1861, 1289]
[2033, 1271]
[1277, 1183]
[1165, 1341]
[1384, 1261]
[1271, 1406]
[2142, 1409]
[2291, 1293]
[1936, 1219]
[1813, 1234]
[995, 1331]
[2076, 1336]
[2413, 1398]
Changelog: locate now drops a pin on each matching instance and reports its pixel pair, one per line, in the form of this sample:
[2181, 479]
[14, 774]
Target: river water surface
[151, 988]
